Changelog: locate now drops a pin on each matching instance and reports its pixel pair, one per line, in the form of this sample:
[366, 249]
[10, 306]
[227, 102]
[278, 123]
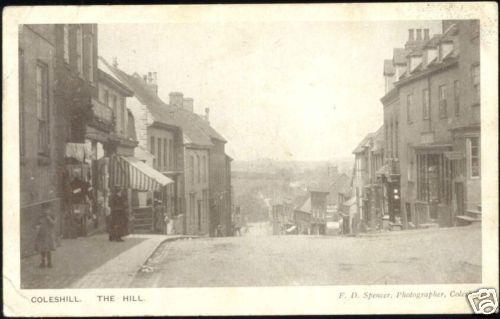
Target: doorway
[459, 199]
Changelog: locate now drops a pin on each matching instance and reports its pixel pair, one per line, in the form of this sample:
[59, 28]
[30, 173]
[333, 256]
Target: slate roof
[161, 111]
[388, 67]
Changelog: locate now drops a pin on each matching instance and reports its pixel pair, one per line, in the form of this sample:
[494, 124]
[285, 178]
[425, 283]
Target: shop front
[138, 180]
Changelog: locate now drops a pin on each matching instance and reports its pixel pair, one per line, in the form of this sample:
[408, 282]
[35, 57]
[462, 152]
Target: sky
[306, 91]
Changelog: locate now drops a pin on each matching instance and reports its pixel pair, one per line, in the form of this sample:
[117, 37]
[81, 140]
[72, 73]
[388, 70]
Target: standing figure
[219, 231]
[44, 238]
[119, 220]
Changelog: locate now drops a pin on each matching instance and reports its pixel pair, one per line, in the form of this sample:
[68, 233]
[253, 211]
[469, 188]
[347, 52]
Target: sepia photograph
[241, 153]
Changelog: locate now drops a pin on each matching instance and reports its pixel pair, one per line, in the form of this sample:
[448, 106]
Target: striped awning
[130, 172]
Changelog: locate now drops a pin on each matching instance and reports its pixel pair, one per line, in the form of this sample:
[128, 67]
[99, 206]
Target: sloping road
[433, 256]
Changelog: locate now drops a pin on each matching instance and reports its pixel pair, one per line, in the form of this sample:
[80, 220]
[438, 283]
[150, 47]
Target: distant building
[367, 186]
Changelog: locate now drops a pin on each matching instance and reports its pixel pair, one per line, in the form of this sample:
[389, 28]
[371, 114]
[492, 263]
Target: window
[443, 112]
[90, 52]
[433, 178]
[456, 97]
[191, 207]
[79, 50]
[125, 116]
[191, 168]
[409, 102]
[106, 100]
[425, 104]
[396, 146]
[392, 140]
[171, 154]
[42, 106]
[159, 153]
[475, 78]
[152, 149]
[22, 128]
[474, 157]
[66, 43]
[199, 167]
[204, 169]
[165, 154]
[123, 120]
[115, 110]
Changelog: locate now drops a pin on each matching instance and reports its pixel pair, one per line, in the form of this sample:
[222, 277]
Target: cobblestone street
[408, 257]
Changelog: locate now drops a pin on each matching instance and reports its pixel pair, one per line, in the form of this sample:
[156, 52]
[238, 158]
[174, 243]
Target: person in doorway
[44, 238]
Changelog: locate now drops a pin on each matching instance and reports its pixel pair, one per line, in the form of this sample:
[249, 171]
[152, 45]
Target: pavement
[92, 262]
[436, 256]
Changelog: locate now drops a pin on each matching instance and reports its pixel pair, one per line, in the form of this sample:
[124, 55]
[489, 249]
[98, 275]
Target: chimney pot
[410, 35]
[176, 99]
[115, 62]
[419, 34]
[188, 104]
[207, 114]
[426, 34]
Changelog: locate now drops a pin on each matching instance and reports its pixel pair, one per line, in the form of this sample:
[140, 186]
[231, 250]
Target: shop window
[474, 155]
[433, 178]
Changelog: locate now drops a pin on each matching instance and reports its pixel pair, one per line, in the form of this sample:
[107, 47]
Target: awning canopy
[130, 172]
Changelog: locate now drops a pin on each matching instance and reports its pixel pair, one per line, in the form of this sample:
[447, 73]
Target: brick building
[431, 120]
[57, 81]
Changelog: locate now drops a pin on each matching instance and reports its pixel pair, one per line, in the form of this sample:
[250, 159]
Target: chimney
[188, 104]
[426, 34]
[115, 62]
[410, 35]
[176, 99]
[145, 78]
[419, 34]
[207, 114]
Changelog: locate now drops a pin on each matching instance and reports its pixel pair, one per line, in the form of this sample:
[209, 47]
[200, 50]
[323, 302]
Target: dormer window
[431, 55]
[415, 62]
[445, 50]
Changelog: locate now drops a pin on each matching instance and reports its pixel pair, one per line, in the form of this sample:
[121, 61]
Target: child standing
[44, 239]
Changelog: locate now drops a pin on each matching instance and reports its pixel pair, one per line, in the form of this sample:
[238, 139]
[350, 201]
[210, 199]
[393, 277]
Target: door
[199, 215]
[459, 199]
